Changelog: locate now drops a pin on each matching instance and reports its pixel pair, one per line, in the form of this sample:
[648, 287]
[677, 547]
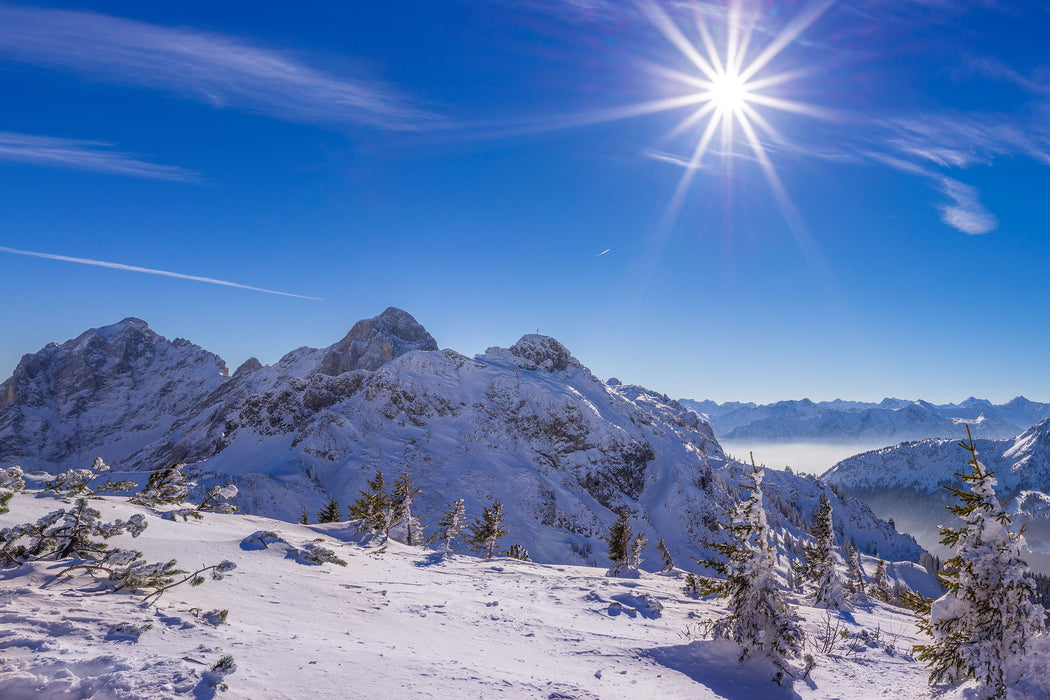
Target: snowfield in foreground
[401, 621]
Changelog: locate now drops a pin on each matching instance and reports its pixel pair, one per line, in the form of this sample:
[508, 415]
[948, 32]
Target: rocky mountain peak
[373, 342]
[543, 352]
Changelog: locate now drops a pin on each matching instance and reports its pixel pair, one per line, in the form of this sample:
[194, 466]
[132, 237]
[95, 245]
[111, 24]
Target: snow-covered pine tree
[619, 544]
[982, 625]
[854, 570]
[665, 556]
[451, 525]
[821, 560]
[486, 532]
[217, 500]
[881, 588]
[372, 507]
[759, 617]
[11, 482]
[75, 483]
[406, 527]
[330, 512]
[164, 486]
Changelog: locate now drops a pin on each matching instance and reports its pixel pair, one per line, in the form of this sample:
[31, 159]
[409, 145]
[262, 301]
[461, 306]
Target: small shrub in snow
[486, 532]
[128, 630]
[261, 539]
[316, 553]
[215, 677]
[75, 483]
[215, 617]
[516, 551]
[217, 500]
[982, 626]
[759, 618]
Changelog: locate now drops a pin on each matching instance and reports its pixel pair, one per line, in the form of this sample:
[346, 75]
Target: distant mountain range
[906, 483]
[888, 422]
[527, 424]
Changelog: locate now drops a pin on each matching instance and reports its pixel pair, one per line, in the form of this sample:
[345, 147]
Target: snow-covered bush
[76, 483]
[983, 625]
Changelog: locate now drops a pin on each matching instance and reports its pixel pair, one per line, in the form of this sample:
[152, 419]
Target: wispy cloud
[966, 212]
[86, 155]
[149, 271]
[203, 66]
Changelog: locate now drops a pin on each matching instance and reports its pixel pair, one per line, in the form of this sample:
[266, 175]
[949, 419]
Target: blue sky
[463, 160]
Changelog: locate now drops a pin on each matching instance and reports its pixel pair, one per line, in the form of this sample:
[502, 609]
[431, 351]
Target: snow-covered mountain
[527, 424]
[888, 422]
[108, 392]
[906, 483]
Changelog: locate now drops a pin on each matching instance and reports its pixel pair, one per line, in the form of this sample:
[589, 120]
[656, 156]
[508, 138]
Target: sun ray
[689, 122]
[674, 35]
[785, 37]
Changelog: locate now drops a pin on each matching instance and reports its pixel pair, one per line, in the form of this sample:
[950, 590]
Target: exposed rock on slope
[372, 343]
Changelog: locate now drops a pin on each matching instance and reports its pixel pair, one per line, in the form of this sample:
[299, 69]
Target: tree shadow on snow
[430, 559]
[713, 664]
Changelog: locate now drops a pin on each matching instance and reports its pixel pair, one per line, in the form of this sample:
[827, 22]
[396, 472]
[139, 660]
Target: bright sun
[729, 93]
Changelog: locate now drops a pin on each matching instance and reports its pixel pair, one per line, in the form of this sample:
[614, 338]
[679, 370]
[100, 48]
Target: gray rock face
[373, 342]
[543, 352]
[117, 385]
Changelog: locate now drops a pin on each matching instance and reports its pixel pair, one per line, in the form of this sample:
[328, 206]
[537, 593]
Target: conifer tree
[982, 626]
[665, 556]
[11, 482]
[486, 532]
[854, 570]
[372, 506]
[406, 527]
[881, 588]
[164, 486]
[330, 512]
[759, 618]
[451, 525]
[821, 560]
[619, 540]
[303, 518]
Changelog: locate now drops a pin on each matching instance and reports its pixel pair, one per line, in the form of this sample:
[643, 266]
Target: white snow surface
[404, 622]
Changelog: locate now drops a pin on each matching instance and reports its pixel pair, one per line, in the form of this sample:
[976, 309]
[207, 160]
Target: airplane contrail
[603, 252]
[150, 271]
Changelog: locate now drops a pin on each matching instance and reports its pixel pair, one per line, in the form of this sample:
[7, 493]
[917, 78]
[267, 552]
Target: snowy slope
[402, 622]
[906, 482]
